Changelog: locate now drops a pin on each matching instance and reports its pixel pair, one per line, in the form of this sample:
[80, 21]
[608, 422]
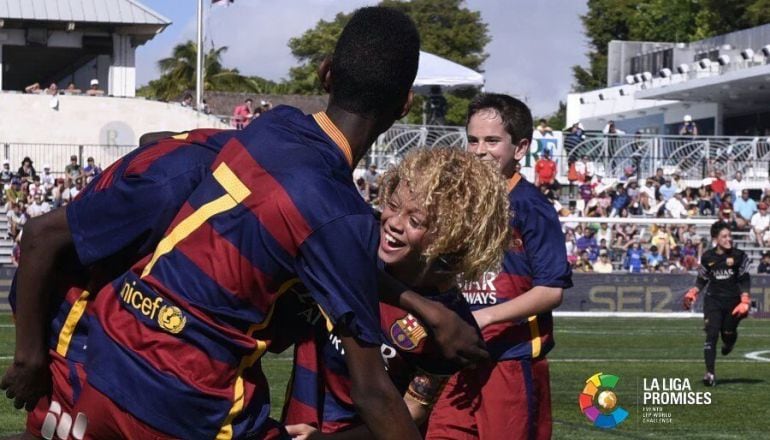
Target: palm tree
[178, 73]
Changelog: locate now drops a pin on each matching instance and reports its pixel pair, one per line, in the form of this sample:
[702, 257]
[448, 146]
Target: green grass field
[632, 349]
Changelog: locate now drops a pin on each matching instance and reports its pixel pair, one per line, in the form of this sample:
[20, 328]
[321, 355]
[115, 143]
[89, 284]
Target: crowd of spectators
[27, 193]
[246, 112]
[657, 248]
[71, 89]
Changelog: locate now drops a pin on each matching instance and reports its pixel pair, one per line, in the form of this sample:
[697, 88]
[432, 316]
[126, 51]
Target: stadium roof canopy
[741, 90]
[133, 17]
[437, 71]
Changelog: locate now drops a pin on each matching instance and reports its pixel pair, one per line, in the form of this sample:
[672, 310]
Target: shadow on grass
[738, 380]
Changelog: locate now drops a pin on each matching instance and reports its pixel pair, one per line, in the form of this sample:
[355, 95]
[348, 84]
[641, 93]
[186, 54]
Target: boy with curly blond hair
[444, 218]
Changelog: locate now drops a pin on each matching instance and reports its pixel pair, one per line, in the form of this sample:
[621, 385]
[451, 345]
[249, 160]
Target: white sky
[534, 43]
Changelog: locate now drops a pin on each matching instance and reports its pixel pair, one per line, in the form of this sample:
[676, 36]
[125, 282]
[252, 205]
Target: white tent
[437, 71]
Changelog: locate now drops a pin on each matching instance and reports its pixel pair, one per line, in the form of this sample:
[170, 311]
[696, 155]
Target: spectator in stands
[242, 114]
[588, 242]
[94, 89]
[6, 174]
[764, 263]
[574, 137]
[659, 177]
[760, 226]
[91, 170]
[265, 106]
[545, 170]
[372, 178]
[621, 200]
[34, 187]
[205, 107]
[718, 186]
[583, 264]
[705, 201]
[688, 128]
[586, 191]
[632, 188]
[26, 170]
[73, 170]
[72, 89]
[33, 88]
[57, 193]
[668, 190]
[542, 130]
[604, 265]
[648, 188]
[678, 182]
[654, 258]
[675, 207]
[662, 239]
[567, 213]
[187, 100]
[736, 185]
[634, 257]
[611, 129]
[436, 107]
[745, 207]
[585, 169]
[691, 254]
[38, 207]
[13, 194]
[16, 252]
[16, 220]
[727, 215]
[604, 233]
[47, 180]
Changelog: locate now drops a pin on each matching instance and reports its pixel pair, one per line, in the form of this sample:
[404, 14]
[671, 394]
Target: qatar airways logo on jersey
[723, 274]
[481, 292]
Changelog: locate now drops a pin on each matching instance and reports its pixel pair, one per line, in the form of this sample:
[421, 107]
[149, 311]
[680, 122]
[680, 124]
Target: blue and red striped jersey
[119, 218]
[319, 390]
[187, 325]
[535, 257]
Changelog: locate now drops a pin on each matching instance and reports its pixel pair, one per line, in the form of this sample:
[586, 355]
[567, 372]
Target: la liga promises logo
[599, 402]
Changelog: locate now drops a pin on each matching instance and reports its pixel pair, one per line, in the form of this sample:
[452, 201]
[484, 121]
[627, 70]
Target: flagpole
[199, 60]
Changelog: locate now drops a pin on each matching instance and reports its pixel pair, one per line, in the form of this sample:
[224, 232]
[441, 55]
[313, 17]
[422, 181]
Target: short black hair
[516, 116]
[717, 227]
[375, 62]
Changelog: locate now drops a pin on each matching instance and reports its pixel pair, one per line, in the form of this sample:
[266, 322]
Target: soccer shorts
[508, 399]
[67, 379]
[717, 315]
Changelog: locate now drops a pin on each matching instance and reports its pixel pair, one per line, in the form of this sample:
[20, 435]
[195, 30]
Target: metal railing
[58, 155]
[400, 138]
[692, 156]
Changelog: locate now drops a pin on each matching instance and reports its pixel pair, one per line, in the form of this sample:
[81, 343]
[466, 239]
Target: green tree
[178, 74]
[447, 29]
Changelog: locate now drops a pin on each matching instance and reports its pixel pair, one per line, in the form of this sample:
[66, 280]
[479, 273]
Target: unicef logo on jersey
[599, 403]
[171, 319]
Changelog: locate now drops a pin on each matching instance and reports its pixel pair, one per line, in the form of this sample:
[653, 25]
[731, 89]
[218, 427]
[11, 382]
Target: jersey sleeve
[703, 274]
[338, 265]
[744, 279]
[544, 243]
[132, 209]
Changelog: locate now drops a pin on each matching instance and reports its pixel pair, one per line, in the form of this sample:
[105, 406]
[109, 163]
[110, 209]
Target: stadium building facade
[722, 82]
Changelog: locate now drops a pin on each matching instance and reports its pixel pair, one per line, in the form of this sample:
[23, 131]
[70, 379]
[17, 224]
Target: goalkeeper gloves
[742, 309]
[690, 297]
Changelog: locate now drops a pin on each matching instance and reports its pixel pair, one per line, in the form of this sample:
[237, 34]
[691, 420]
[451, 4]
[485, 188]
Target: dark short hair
[248, 100]
[517, 118]
[717, 227]
[375, 62]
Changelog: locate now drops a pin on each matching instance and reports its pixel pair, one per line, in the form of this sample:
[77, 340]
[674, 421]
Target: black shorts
[717, 314]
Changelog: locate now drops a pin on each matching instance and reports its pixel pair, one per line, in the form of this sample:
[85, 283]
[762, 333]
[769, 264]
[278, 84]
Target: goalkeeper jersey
[726, 275]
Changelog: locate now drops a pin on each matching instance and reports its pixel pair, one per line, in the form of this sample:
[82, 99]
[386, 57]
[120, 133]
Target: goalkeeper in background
[725, 270]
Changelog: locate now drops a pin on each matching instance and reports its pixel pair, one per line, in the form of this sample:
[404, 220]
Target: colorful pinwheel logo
[599, 402]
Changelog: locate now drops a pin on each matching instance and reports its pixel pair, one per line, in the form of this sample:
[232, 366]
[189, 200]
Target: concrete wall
[26, 121]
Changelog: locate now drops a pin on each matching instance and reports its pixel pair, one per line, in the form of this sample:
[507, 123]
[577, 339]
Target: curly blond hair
[465, 203]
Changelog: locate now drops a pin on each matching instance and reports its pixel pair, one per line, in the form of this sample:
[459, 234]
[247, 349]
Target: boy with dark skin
[373, 394]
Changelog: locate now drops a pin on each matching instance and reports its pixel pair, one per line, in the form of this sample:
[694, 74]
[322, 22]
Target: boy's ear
[521, 149]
